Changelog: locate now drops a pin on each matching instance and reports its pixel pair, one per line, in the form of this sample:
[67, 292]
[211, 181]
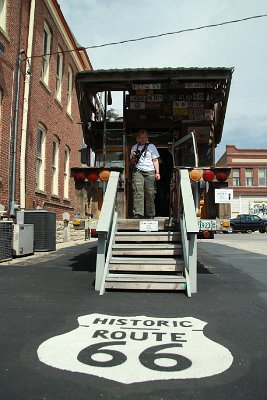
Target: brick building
[248, 179]
[40, 134]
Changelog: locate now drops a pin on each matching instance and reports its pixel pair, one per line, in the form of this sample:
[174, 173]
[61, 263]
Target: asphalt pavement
[60, 340]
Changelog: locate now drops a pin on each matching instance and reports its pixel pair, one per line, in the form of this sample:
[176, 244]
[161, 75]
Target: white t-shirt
[145, 162]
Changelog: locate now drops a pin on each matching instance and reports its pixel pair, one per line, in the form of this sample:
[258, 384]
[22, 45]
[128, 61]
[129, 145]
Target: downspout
[25, 111]
[12, 206]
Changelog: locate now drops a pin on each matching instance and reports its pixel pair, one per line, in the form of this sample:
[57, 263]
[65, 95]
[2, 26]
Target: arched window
[3, 14]
[46, 50]
[69, 91]
[40, 159]
[59, 73]
[66, 172]
[55, 164]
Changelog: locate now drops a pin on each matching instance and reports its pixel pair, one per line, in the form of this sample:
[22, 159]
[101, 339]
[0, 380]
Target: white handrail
[104, 226]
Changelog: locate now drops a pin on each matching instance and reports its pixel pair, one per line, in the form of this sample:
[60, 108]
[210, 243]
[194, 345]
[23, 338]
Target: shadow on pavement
[85, 261]
[201, 269]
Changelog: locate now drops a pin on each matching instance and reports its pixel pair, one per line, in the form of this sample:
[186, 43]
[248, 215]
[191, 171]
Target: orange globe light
[104, 175]
[92, 176]
[221, 176]
[195, 175]
[79, 176]
[208, 175]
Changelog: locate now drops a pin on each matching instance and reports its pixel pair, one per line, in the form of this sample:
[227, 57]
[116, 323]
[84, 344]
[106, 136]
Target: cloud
[240, 45]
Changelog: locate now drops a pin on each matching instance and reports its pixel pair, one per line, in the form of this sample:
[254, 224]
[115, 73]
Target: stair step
[133, 224]
[147, 249]
[144, 278]
[133, 260]
[134, 285]
[147, 264]
[147, 236]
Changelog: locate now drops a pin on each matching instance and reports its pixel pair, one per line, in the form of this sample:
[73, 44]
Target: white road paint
[136, 349]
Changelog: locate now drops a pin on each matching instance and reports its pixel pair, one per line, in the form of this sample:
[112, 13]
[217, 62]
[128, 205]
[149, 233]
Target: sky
[240, 45]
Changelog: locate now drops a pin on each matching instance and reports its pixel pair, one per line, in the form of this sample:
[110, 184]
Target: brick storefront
[38, 106]
[248, 179]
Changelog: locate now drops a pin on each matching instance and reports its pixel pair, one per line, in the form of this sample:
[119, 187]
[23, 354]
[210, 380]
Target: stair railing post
[101, 258]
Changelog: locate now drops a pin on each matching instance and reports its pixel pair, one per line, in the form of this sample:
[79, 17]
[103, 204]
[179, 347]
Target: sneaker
[138, 216]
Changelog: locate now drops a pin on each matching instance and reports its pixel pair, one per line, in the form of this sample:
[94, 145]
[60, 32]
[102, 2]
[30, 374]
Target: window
[236, 176]
[55, 165]
[66, 172]
[1, 99]
[249, 176]
[69, 92]
[47, 37]
[262, 177]
[40, 161]
[3, 14]
[59, 73]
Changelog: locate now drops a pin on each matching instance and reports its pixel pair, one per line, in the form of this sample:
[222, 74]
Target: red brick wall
[43, 108]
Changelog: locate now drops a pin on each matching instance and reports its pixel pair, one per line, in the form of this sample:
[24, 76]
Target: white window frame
[262, 179]
[55, 165]
[236, 176]
[249, 177]
[3, 14]
[40, 158]
[59, 73]
[69, 90]
[66, 172]
[46, 50]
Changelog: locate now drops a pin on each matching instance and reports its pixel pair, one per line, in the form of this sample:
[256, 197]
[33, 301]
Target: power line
[156, 36]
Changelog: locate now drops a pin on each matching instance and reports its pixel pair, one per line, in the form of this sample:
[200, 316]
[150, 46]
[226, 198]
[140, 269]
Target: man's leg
[150, 190]
[138, 193]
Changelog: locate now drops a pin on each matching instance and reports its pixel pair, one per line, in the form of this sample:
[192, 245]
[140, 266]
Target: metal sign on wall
[136, 349]
[224, 195]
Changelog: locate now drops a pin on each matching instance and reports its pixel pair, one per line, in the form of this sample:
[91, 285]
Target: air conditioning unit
[23, 239]
[6, 239]
[44, 227]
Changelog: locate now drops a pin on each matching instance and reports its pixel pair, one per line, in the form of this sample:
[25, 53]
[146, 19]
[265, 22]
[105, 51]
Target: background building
[248, 179]
[40, 134]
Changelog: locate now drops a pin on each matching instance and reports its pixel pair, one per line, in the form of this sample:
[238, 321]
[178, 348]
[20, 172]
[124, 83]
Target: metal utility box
[6, 238]
[23, 239]
[44, 227]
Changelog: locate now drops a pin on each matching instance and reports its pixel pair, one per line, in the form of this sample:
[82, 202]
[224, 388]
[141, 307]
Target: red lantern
[92, 176]
[221, 176]
[208, 175]
[93, 233]
[206, 234]
[104, 175]
[79, 176]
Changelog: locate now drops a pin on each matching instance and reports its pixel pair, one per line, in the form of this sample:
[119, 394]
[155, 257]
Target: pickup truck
[247, 223]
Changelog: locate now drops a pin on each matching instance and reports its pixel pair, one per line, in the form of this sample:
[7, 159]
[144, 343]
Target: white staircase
[146, 261]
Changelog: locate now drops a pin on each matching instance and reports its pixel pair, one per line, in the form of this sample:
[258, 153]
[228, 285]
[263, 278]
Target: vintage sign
[136, 349]
[224, 195]
[148, 226]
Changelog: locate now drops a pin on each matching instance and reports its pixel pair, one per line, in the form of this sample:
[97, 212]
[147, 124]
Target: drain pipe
[25, 111]
[13, 206]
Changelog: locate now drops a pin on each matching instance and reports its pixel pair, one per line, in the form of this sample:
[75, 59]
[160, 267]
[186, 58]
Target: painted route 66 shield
[136, 349]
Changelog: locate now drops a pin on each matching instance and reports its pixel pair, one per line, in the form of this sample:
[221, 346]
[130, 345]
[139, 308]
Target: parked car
[247, 223]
